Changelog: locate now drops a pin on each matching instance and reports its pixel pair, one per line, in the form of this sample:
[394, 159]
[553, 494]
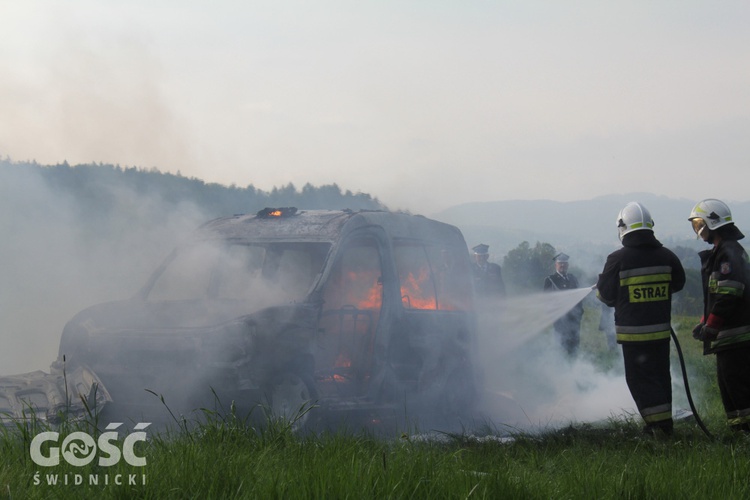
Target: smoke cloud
[530, 383]
[58, 258]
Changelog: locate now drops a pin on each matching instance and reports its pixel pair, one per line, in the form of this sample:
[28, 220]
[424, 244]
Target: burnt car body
[37, 398]
[366, 315]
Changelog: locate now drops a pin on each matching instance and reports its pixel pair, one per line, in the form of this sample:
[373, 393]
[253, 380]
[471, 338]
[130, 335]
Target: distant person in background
[725, 326]
[568, 327]
[638, 280]
[488, 276]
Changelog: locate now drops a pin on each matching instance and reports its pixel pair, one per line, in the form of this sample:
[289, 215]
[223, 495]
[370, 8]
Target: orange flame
[365, 291]
[343, 361]
[412, 294]
[372, 297]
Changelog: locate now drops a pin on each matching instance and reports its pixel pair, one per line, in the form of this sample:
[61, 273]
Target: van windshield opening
[269, 273]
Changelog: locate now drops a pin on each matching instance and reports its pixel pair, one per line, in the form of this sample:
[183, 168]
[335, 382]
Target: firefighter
[638, 280]
[725, 325]
[568, 327]
[488, 276]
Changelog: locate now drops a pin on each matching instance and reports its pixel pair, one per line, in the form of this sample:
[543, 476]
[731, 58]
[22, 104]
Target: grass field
[223, 458]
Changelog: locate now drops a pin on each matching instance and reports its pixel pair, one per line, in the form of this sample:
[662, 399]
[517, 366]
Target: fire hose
[687, 385]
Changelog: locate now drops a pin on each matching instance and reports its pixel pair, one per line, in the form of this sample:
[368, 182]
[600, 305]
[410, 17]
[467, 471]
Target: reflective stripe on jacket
[726, 276]
[638, 280]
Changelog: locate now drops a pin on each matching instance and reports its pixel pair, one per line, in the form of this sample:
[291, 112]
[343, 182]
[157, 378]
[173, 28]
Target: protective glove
[697, 331]
[710, 330]
[708, 333]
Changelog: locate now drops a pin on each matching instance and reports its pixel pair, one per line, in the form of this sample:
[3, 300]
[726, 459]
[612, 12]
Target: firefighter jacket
[638, 280]
[726, 283]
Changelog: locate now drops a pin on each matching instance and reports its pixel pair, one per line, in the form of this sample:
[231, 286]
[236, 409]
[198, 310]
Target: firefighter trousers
[650, 382]
[733, 375]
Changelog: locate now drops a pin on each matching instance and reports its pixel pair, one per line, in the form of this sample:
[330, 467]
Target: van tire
[289, 397]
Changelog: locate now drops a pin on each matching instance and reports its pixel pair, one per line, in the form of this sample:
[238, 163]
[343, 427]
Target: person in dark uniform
[568, 327]
[638, 280]
[488, 276]
[725, 326]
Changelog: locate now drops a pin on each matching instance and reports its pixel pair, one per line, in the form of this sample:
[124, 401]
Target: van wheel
[289, 398]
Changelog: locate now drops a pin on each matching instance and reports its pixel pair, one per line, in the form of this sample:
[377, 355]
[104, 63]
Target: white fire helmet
[633, 217]
[709, 214]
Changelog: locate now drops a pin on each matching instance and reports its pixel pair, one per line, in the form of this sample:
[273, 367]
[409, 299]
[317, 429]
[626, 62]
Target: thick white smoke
[54, 264]
[530, 383]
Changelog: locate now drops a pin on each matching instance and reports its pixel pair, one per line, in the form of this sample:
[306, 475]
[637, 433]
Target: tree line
[92, 186]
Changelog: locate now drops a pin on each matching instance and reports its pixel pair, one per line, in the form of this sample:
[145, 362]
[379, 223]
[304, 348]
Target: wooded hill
[92, 185]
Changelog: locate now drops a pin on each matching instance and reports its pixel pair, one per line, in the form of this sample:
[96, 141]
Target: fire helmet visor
[699, 225]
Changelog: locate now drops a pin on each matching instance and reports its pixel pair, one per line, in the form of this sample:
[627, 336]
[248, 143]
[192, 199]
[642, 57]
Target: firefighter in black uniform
[638, 280]
[725, 326]
[568, 327]
[488, 276]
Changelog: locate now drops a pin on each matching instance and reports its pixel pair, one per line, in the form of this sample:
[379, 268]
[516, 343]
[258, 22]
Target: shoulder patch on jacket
[726, 268]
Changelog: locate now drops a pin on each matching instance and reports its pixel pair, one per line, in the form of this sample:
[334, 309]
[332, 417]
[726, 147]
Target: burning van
[318, 316]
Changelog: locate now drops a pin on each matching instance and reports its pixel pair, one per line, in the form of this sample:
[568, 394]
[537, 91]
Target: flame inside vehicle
[343, 361]
[412, 294]
[372, 298]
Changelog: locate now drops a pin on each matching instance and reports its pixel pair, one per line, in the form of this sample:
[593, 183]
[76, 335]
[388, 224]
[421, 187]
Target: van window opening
[432, 277]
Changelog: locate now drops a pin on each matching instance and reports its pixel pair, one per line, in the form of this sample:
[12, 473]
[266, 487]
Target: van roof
[326, 226]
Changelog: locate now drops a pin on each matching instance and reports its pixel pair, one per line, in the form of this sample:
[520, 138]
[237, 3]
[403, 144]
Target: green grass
[583, 462]
[222, 457]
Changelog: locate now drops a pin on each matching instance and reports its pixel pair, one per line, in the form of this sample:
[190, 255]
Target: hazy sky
[424, 103]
